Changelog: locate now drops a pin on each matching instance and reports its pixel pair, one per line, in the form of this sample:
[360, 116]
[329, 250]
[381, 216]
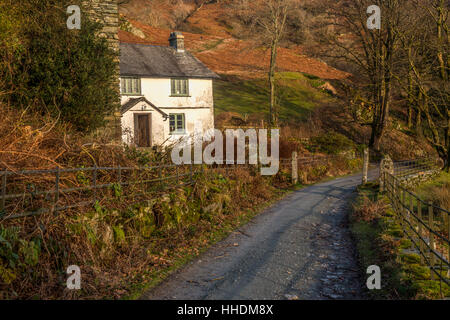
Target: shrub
[369, 210]
[332, 143]
[69, 73]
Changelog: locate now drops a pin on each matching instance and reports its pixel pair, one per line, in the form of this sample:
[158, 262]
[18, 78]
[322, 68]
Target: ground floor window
[177, 123]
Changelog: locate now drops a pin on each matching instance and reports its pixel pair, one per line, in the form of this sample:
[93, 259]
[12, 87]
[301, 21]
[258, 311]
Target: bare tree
[369, 54]
[426, 48]
[273, 22]
[266, 21]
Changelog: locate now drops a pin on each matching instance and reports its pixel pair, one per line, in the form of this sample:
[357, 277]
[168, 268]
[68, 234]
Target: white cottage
[165, 93]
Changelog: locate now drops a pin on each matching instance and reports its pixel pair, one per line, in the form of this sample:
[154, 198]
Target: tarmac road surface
[300, 248]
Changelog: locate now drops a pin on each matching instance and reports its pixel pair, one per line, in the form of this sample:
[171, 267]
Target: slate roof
[157, 61]
[134, 101]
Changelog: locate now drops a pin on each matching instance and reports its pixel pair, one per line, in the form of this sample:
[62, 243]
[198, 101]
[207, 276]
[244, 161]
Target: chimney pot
[176, 41]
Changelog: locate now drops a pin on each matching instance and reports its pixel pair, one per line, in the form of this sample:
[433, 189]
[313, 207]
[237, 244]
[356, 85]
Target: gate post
[294, 168]
[365, 166]
[386, 167]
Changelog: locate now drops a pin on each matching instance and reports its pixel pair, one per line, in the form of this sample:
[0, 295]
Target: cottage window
[177, 123]
[131, 86]
[179, 87]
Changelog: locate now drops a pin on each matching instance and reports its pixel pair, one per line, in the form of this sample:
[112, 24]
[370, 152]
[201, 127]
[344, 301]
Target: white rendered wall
[198, 108]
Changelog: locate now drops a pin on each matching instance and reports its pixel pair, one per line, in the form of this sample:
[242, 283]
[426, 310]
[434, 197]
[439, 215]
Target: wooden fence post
[421, 247]
[408, 212]
[431, 239]
[411, 218]
[396, 195]
[402, 209]
[365, 166]
[294, 168]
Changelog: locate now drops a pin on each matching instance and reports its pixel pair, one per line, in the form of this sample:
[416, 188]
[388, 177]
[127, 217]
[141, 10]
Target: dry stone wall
[413, 180]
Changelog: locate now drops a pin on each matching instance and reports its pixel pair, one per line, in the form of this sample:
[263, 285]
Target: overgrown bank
[123, 248]
[119, 246]
[381, 241]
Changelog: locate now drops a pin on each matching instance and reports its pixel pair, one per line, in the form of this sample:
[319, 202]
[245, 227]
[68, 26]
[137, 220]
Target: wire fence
[34, 192]
[29, 193]
[413, 167]
[313, 160]
[306, 161]
[426, 225]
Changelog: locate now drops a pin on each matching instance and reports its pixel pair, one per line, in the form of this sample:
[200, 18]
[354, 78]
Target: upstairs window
[179, 87]
[177, 123]
[131, 86]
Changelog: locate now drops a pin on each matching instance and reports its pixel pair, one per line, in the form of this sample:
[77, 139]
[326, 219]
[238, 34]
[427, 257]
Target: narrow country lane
[300, 248]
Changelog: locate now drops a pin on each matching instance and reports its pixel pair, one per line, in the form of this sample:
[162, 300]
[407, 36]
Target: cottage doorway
[142, 125]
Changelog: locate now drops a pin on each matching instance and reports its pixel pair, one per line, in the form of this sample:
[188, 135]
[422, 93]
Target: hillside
[242, 63]
[209, 34]
[297, 96]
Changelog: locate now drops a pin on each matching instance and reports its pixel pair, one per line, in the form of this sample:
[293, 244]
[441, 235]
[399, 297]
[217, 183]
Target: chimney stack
[176, 41]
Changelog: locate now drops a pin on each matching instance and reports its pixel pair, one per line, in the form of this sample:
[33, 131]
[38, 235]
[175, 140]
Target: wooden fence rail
[426, 225]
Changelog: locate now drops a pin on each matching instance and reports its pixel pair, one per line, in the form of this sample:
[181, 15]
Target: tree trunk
[440, 53]
[410, 116]
[410, 95]
[419, 115]
[447, 164]
[447, 142]
[443, 68]
[375, 138]
[273, 62]
[384, 64]
[379, 126]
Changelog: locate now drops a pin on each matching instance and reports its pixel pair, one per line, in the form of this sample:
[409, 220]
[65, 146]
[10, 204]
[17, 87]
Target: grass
[297, 96]
[380, 240]
[436, 191]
